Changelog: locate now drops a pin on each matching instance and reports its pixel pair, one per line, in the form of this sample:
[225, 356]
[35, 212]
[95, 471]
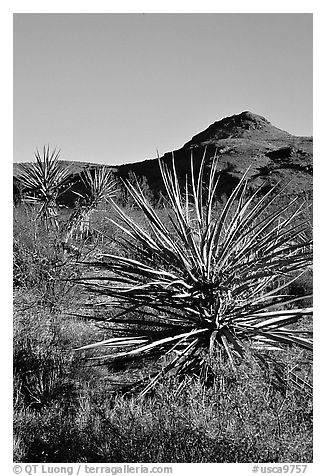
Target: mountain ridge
[240, 141]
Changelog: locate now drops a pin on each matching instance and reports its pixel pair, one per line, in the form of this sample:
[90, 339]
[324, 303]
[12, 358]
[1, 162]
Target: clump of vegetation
[212, 286]
[40, 263]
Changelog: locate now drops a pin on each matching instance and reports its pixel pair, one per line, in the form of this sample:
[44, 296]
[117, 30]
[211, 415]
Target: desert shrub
[123, 197]
[48, 378]
[45, 370]
[40, 261]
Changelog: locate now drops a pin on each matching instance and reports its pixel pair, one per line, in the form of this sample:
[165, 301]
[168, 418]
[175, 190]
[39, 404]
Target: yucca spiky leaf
[207, 282]
[99, 185]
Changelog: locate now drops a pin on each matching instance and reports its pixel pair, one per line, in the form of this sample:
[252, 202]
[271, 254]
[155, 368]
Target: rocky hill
[240, 141]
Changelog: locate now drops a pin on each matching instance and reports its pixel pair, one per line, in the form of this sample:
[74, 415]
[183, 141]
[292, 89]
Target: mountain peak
[250, 116]
[245, 125]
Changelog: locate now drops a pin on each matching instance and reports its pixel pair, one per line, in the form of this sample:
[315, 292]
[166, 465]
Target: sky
[115, 88]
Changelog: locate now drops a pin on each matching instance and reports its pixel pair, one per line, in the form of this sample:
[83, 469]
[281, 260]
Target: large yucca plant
[42, 181]
[210, 284]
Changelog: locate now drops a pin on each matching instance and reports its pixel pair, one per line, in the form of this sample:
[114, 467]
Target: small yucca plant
[42, 181]
[208, 285]
[99, 186]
